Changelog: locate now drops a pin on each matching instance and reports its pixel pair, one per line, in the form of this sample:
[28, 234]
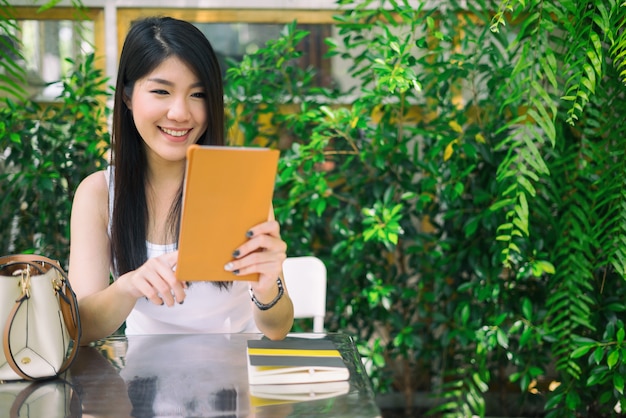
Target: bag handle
[67, 301]
[28, 258]
[75, 404]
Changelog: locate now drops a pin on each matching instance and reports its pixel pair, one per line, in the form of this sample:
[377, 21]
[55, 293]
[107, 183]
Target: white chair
[305, 278]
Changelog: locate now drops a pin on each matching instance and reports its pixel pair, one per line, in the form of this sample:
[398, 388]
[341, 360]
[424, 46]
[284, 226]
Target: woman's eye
[157, 91]
[199, 95]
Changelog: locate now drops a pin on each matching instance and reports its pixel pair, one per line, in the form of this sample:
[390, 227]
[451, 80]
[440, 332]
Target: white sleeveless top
[206, 308]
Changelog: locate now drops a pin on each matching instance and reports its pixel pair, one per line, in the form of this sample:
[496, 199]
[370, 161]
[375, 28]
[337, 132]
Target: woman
[125, 219]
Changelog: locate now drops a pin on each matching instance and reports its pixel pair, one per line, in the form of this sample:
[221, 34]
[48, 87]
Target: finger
[164, 291]
[264, 243]
[178, 290]
[258, 262]
[270, 228]
[171, 259]
[160, 295]
[149, 291]
[162, 281]
[177, 287]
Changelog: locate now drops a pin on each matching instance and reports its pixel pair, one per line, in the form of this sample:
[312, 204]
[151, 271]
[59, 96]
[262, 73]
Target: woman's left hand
[263, 253]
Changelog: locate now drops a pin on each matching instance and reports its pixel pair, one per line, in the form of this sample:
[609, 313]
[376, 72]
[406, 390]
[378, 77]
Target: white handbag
[39, 314]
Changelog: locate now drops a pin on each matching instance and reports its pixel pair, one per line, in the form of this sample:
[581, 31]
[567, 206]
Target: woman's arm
[103, 308]
[277, 321]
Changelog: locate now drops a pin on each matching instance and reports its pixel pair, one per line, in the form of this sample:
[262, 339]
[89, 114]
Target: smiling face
[169, 110]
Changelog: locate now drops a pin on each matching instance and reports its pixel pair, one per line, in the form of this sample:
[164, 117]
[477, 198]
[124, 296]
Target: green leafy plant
[467, 196]
[47, 150]
[12, 75]
[468, 200]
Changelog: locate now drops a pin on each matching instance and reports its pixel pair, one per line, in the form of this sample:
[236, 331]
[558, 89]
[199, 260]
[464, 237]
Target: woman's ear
[127, 102]
[126, 97]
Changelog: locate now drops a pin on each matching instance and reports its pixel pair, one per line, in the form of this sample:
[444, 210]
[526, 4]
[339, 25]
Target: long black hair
[149, 42]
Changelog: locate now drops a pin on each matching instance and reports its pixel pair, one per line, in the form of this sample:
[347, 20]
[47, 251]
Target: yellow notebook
[227, 191]
[294, 360]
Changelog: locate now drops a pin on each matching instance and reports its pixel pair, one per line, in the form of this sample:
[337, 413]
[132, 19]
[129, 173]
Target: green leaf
[618, 383]
[581, 351]
[612, 358]
[503, 339]
[527, 309]
[595, 378]
[465, 314]
[598, 355]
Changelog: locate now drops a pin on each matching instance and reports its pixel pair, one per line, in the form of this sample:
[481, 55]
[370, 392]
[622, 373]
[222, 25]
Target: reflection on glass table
[205, 376]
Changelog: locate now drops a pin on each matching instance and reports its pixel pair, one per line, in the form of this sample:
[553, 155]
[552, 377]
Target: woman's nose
[179, 111]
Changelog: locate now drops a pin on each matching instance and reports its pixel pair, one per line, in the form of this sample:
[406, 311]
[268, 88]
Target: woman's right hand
[155, 280]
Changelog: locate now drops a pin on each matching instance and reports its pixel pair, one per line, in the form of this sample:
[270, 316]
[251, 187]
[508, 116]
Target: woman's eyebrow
[171, 83]
[161, 81]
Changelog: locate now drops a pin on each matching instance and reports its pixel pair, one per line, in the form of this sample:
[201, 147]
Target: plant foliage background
[45, 149]
[467, 196]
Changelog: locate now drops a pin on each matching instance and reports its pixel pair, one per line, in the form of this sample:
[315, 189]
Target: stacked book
[295, 369]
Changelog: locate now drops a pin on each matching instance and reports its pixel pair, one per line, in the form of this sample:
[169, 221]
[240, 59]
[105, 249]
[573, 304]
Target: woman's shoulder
[94, 184]
[93, 190]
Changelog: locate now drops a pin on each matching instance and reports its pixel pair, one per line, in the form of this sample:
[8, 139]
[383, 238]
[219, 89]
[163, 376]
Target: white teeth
[175, 133]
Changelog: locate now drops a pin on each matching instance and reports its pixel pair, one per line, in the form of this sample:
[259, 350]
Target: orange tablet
[227, 191]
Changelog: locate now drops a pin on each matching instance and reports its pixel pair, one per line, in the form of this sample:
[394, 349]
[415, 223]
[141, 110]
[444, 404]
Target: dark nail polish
[181, 302]
[236, 253]
[236, 271]
[249, 234]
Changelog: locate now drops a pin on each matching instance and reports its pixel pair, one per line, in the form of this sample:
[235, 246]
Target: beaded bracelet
[266, 306]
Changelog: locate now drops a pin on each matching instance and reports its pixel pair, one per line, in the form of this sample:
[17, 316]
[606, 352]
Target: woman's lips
[176, 135]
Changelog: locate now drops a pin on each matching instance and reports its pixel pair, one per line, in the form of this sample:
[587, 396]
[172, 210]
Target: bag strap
[67, 302]
[27, 258]
[75, 403]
